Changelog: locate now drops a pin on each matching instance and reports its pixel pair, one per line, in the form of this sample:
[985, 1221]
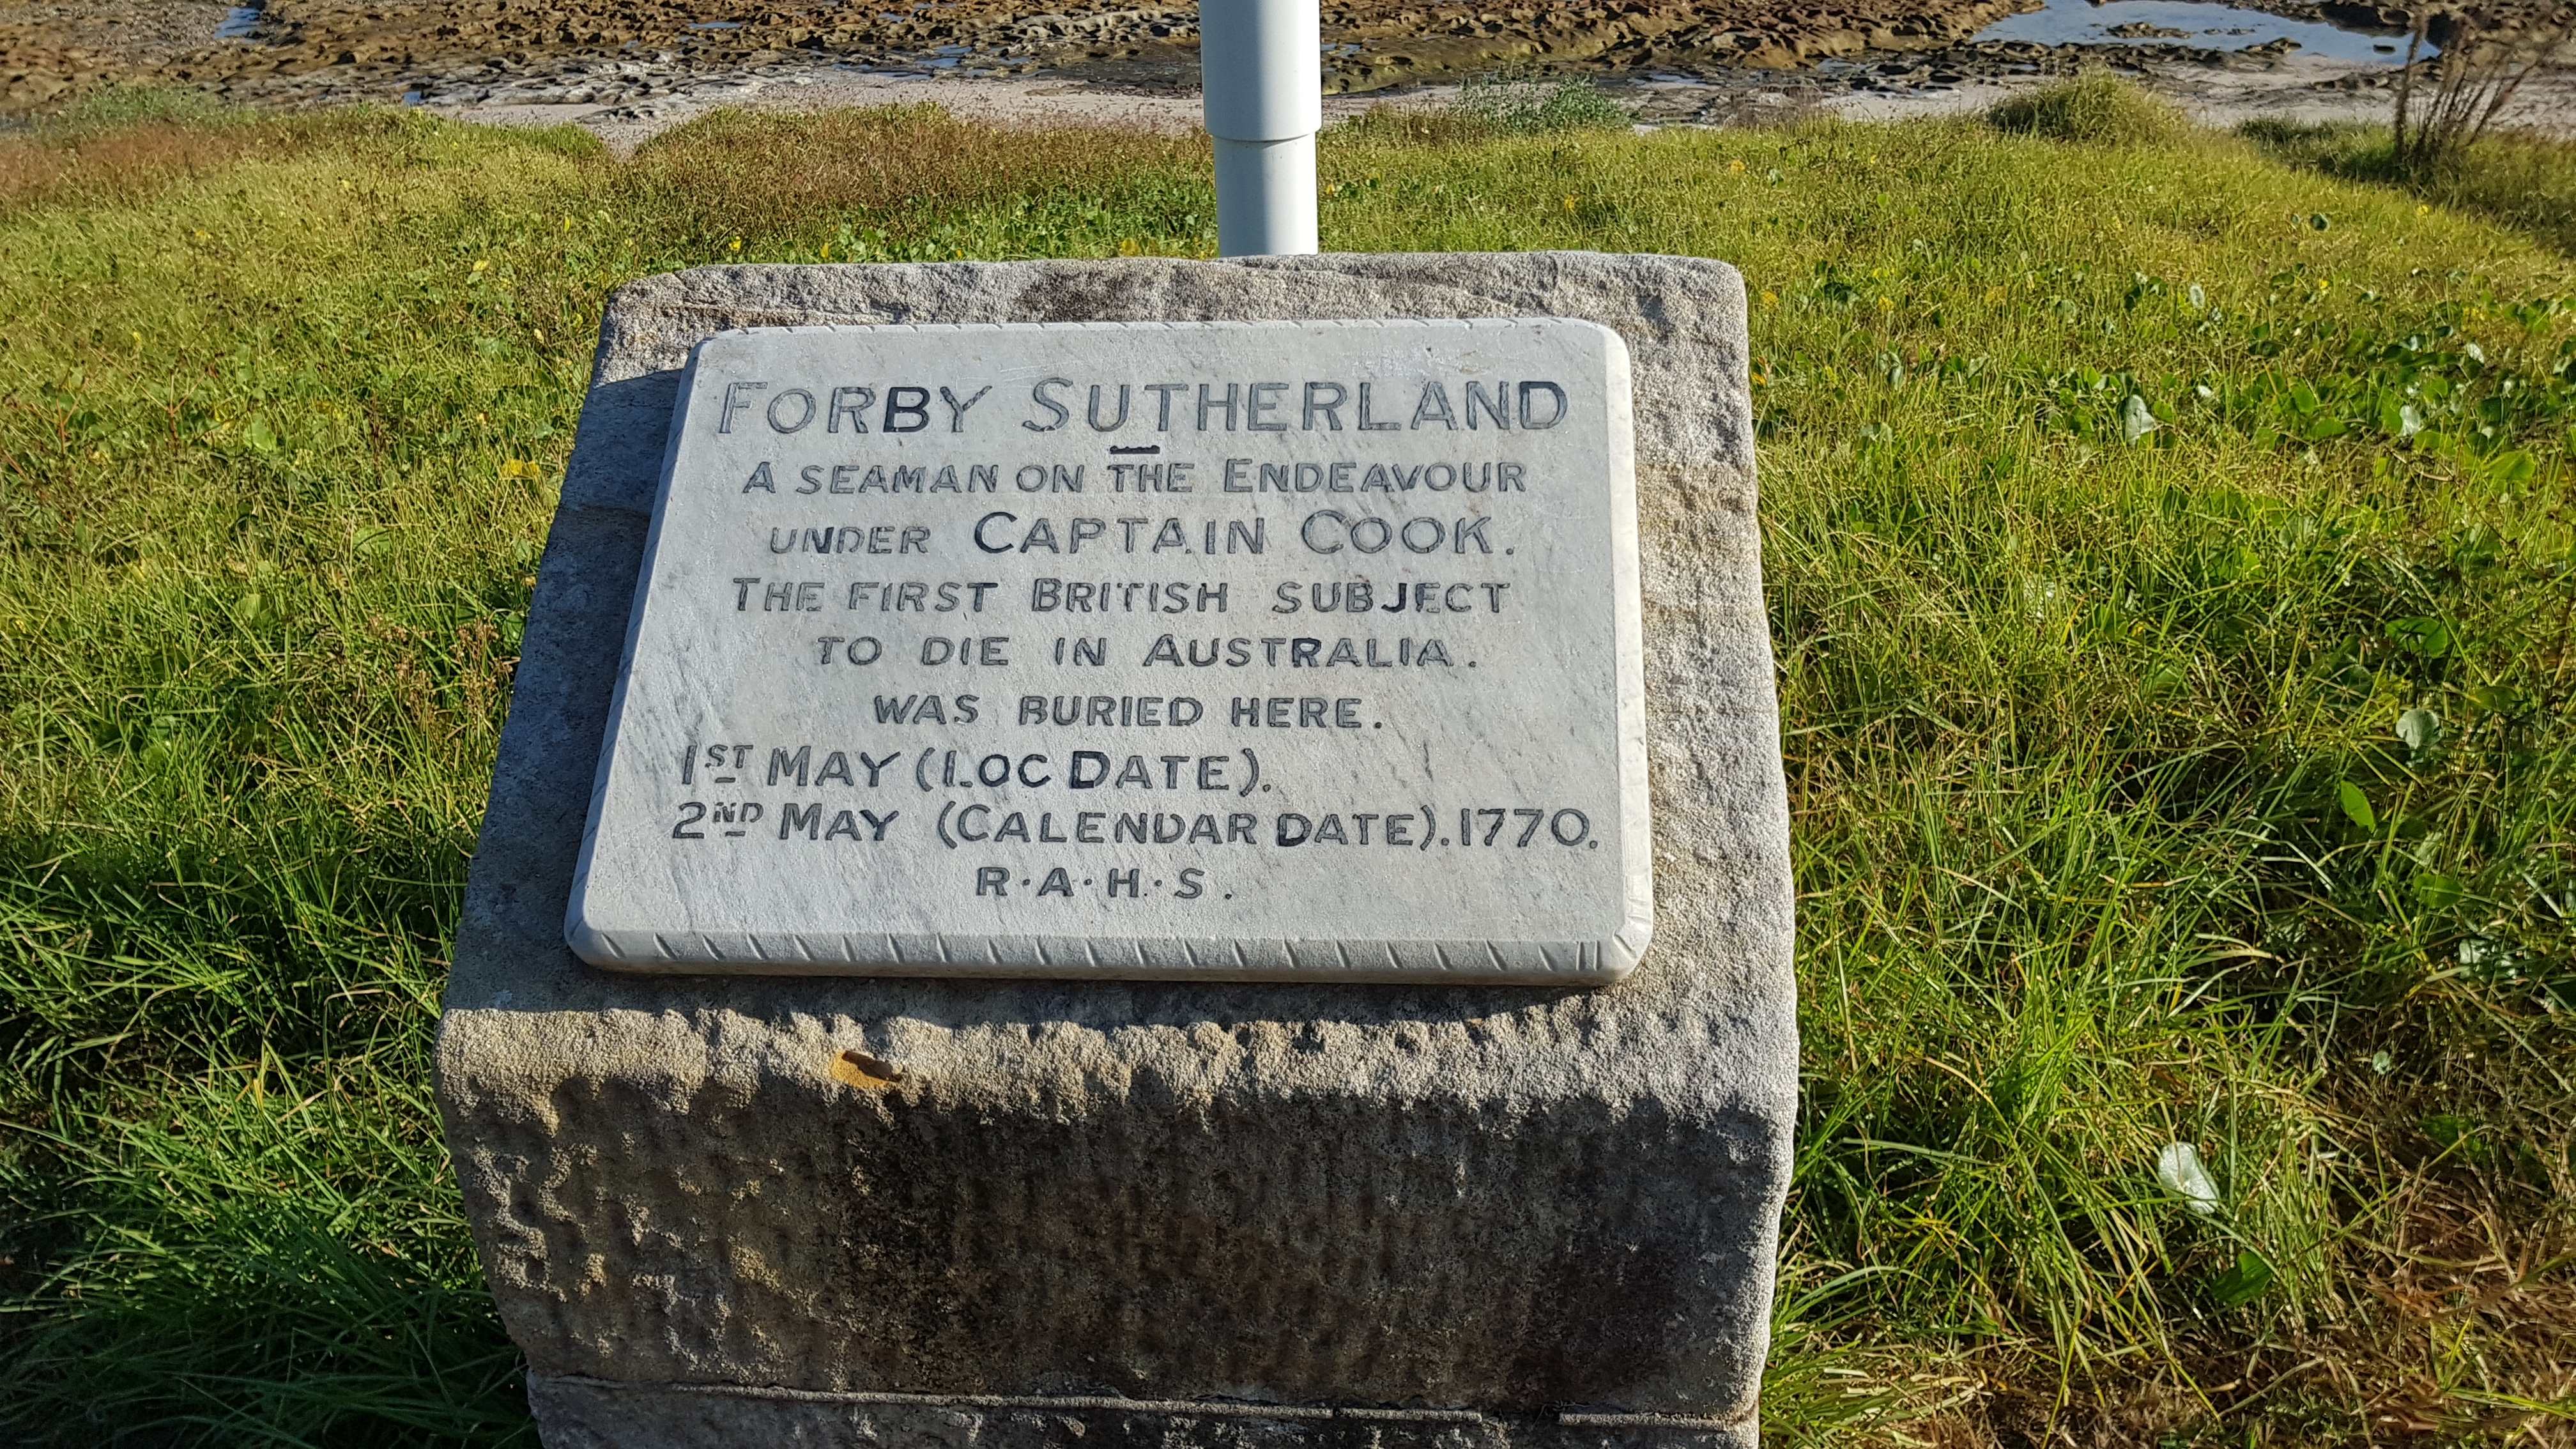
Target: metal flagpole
[1261, 76]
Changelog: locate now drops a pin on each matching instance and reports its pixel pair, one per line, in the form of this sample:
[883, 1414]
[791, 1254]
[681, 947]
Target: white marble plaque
[1259, 651]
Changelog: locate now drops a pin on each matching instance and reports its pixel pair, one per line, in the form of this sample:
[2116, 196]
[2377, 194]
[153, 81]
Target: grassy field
[2174, 582]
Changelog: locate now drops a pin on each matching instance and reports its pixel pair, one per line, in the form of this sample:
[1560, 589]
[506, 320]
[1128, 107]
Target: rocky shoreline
[638, 61]
[619, 51]
[329, 50]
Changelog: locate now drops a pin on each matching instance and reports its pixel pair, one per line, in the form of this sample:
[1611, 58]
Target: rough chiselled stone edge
[1550, 963]
[1248, 323]
[579, 1412]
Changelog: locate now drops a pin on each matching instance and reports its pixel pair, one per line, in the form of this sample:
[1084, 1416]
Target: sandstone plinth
[864, 1210]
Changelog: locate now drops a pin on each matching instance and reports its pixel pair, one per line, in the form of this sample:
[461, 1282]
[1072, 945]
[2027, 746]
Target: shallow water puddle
[2187, 22]
[238, 23]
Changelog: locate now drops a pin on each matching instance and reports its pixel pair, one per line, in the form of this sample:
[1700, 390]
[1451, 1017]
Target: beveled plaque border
[1418, 961]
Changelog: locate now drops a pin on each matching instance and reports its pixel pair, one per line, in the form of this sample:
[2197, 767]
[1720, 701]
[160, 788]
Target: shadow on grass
[310, 1339]
[2524, 182]
[225, 1216]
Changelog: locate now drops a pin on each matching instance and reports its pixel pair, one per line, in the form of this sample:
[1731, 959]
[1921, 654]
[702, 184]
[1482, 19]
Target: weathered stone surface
[848, 1208]
[587, 1413]
[843, 744]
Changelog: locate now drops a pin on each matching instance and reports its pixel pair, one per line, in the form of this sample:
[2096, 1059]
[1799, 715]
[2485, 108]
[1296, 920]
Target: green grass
[1529, 104]
[2120, 503]
[2517, 181]
[2096, 108]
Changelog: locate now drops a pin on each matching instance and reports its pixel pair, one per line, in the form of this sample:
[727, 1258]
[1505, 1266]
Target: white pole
[1261, 78]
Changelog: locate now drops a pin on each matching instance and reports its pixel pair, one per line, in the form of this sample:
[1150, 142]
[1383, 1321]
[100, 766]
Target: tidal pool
[2187, 22]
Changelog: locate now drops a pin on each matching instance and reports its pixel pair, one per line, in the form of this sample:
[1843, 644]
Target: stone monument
[1076, 849]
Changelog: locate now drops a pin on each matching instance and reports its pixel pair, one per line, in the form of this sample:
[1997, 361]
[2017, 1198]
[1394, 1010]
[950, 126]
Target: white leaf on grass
[2178, 1168]
[2135, 420]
